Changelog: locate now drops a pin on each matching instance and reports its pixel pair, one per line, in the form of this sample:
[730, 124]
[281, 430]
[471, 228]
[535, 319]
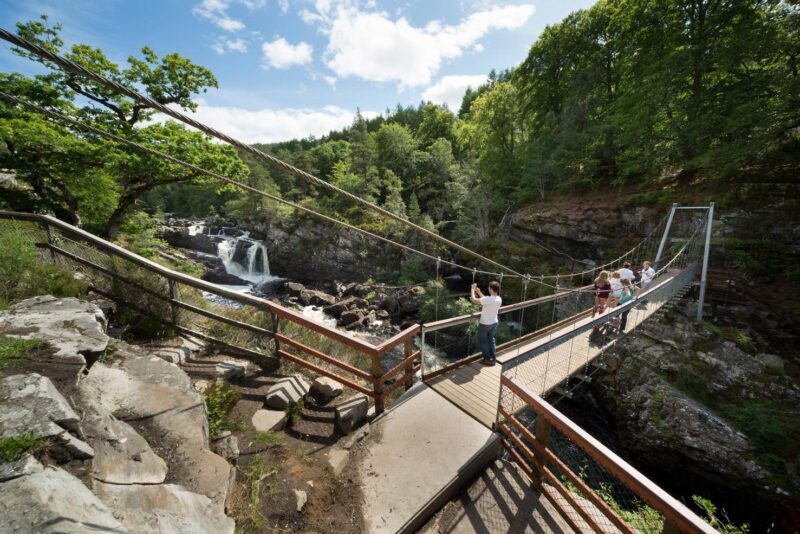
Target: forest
[624, 94]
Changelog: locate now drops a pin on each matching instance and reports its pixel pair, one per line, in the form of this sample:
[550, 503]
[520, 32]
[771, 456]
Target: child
[616, 289]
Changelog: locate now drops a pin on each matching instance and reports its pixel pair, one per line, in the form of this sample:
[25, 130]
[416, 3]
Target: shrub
[722, 524]
[220, 400]
[16, 447]
[13, 350]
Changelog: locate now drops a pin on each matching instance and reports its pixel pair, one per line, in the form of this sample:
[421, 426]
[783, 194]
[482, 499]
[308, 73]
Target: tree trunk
[115, 221]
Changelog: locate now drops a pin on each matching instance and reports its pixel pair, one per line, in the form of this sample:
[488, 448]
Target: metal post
[664, 237]
[51, 241]
[408, 350]
[704, 272]
[276, 324]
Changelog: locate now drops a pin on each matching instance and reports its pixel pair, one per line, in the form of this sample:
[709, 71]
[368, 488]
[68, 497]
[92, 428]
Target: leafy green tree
[395, 149]
[437, 123]
[82, 176]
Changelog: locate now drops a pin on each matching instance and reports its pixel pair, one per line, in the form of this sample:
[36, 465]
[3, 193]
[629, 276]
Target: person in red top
[602, 287]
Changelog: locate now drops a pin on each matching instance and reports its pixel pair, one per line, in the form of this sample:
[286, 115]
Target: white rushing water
[252, 266]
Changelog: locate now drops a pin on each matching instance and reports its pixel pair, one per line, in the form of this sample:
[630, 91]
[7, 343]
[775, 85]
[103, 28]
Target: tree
[395, 146]
[80, 173]
[437, 123]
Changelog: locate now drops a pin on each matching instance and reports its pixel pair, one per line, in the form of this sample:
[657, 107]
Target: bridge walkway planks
[475, 388]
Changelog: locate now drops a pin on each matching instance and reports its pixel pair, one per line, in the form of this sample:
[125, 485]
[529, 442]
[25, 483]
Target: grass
[304, 456]
[270, 438]
[638, 515]
[16, 447]
[245, 506]
[293, 412]
[13, 350]
[220, 400]
[730, 333]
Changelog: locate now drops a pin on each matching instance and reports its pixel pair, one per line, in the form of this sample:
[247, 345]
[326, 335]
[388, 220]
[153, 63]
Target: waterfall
[244, 257]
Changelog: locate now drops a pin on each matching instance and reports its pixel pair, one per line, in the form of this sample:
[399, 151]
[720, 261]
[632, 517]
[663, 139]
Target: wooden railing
[569, 492]
[372, 383]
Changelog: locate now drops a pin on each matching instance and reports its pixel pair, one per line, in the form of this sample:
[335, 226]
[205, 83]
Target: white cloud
[284, 5]
[221, 45]
[372, 46]
[216, 11]
[237, 45]
[450, 90]
[282, 55]
[269, 125]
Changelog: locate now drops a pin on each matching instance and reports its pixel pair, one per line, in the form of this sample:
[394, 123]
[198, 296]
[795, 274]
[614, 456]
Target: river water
[251, 264]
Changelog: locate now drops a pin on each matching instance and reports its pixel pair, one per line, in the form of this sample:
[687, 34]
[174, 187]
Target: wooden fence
[569, 492]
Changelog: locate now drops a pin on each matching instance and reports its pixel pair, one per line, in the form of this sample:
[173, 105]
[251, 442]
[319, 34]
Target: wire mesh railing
[592, 488]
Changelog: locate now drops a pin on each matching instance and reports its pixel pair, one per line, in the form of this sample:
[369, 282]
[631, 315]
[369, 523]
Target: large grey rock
[53, 501]
[286, 391]
[27, 465]
[326, 388]
[176, 355]
[227, 447]
[122, 456]
[350, 413]
[18, 421]
[72, 328]
[267, 420]
[771, 360]
[165, 508]
[38, 394]
[150, 390]
[317, 298]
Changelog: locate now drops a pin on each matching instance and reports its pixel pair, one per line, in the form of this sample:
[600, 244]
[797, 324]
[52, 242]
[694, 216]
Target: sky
[298, 68]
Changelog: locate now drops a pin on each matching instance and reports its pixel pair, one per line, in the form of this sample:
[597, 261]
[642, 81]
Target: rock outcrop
[133, 429]
[73, 328]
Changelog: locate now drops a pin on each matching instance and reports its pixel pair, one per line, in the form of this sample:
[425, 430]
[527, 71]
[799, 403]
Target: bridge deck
[475, 388]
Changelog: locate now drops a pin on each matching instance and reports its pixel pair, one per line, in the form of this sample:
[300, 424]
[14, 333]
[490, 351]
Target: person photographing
[487, 326]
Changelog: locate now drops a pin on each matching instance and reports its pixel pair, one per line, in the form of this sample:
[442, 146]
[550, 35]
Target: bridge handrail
[461, 319]
[674, 512]
[375, 351]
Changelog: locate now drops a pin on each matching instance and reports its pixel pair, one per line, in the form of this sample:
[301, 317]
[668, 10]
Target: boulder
[73, 328]
[53, 501]
[122, 456]
[176, 355]
[180, 237]
[227, 447]
[163, 508]
[770, 360]
[294, 289]
[411, 300]
[268, 420]
[326, 388]
[286, 391]
[351, 413]
[382, 315]
[152, 391]
[221, 277]
[311, 297]
[18, 421]
[38, 394]
[335, 310]
[27, 465]
[350, 318]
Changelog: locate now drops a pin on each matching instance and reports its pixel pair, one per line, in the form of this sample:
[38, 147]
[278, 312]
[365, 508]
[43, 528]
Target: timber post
[52, 241]
[174, 295]
[377, 383]
[408, 350]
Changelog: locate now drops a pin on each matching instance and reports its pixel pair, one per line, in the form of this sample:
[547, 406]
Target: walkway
[418, 454]
[541, 364]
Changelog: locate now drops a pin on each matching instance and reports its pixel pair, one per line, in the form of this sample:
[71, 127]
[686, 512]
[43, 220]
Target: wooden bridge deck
[475, 388]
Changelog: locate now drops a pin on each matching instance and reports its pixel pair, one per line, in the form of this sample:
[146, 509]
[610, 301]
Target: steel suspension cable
[113, 137]
[69, 66]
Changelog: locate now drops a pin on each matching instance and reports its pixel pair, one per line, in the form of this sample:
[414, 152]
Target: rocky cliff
[685, 399]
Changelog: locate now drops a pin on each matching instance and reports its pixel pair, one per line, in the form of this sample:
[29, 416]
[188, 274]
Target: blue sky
[293, 68]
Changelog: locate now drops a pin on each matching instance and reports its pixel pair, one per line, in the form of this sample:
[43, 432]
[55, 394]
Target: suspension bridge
[453, 422]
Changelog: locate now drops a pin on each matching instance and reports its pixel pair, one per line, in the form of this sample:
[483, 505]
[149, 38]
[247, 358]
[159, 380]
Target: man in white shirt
[487, 326]
[626, 272]
[648, 274]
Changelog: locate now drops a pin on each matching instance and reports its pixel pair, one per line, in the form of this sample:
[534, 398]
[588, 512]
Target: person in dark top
[602, 287]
